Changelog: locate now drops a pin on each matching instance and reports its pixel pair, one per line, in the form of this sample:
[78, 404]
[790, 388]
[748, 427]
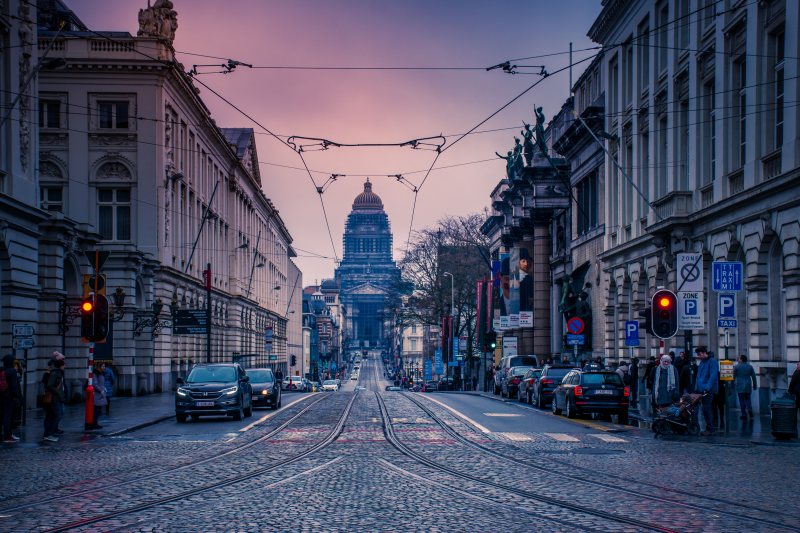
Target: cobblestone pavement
[535, 481]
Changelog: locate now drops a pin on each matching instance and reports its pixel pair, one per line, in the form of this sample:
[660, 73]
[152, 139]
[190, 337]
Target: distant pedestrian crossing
[567, 438]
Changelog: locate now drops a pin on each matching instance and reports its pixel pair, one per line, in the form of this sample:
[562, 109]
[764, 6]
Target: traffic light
[664, 312]
[491, 340]
[647, 315]
[87, 318]
[294, 360]
[100, 318]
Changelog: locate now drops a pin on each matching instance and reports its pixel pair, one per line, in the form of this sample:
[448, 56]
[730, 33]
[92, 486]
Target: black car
[266, 389]
[584, 392]
[543, 387]
[214, 389]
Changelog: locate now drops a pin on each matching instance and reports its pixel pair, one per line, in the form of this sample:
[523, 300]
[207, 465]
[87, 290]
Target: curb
[138, 426]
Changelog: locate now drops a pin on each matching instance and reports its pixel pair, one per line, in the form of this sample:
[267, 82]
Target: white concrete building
[700, 98]
[131, 163]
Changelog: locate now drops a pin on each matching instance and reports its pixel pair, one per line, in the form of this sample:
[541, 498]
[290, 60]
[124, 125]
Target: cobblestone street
[376, 460]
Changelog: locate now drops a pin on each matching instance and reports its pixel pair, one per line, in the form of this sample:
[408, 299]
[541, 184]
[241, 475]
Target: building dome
[368, 199]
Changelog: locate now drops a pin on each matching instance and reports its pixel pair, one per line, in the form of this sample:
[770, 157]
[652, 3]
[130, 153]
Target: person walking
[707, 382]
[685, 377]
[648, 373]
[665, 383]
[794, 386]
[633, 370]
[54, 399]
[110, 380]
[744, 379]
[100, 400]
[10, 396]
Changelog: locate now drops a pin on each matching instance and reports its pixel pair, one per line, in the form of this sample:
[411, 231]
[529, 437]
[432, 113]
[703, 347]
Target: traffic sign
[189, 321]
[97, 259]
[272, 358]
[726, 276]
[23, 343]
[575, 325]
[21, 330]
[427, 369]
[727, 323]
[575, 340]
[689, 269]
[631, 333]
[691, 311]
[726, 370]
[92, 283]
[727, 305]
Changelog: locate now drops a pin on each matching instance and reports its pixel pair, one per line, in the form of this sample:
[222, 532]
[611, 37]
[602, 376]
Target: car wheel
[180, 418]
[530, 400]
[195, 417]
[568, 409]
[520, 397]
[623, 417]
[540, 401]
[554, 405]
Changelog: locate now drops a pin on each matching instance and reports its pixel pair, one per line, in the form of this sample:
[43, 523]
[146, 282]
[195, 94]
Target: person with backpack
[10, 395]
[54, 397]
[110, 379]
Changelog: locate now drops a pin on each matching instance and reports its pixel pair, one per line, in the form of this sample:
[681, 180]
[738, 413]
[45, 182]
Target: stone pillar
[541, 289]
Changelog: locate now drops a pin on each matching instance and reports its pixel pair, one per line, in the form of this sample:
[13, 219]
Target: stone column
[541, 289]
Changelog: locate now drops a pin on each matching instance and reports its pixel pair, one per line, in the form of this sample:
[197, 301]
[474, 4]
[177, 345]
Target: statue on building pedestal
[159, 21]
[527, 143]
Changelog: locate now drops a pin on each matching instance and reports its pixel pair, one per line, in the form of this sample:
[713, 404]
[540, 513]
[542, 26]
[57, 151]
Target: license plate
[604, 392]
[204, 404]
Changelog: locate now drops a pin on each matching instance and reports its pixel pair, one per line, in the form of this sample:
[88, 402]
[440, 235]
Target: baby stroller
[679, 417]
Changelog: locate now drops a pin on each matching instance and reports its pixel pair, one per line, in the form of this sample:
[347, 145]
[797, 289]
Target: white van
[501, 371]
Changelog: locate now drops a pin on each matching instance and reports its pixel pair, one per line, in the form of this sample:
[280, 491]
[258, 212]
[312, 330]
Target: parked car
[430, 386]
[214, 389]
[583, 392]
[266, 389]
[510, 386]
[446, 384]
[547, 383]
[393, 388]
[329, 385]
[295, 383]
[508, 361]
[527, 383]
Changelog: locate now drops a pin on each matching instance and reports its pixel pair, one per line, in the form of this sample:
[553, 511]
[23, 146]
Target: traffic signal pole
[89, 420]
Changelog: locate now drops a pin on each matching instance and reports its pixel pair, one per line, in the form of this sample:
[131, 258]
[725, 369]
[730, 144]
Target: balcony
[736, 182]
[674, 204]
[706, 195]
[771, 165]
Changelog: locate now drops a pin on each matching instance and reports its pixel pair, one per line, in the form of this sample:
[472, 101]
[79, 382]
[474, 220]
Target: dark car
[214, 389]
[430, 386]
[510, 388]
[266, 389]
[547, 383]
[526, 385]
[582, 392]
[446, 384]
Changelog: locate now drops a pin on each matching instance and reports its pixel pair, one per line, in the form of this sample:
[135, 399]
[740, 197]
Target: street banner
[427, 369]
[526, 319]
[509, 346]
[496, 324]
[437, 356]
[504, 323]
[513, 320]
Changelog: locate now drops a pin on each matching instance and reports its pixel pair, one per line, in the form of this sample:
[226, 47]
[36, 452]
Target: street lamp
[452, 293]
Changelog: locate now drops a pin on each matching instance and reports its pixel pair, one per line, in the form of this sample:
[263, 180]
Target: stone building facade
[130, 163]
[702, 119]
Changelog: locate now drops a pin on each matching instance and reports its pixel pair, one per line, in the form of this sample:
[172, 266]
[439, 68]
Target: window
[413, 328]
[49, 114]
[628, 72]
[113, 115]
[709, 13]
[682, 24]
[682, 135]
[51, 198]
[777, 54]
[586, 196]
[644, 56]
[644, 172]
[737, 70]
[613, 84]
[662, 141]
[709, 132]
[114, 214]
[663, 39]
[413, 345]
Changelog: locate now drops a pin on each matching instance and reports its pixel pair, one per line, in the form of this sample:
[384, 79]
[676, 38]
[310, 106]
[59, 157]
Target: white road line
[304, 473]
[562, 437]
[517, 437]
[607, 438]
[501, 414]
[459, 414]
[270, 415]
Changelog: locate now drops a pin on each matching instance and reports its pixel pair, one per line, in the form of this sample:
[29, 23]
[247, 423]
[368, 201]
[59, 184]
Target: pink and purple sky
[373, 106]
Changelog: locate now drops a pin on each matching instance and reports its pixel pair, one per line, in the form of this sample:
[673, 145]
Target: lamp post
[452, 316]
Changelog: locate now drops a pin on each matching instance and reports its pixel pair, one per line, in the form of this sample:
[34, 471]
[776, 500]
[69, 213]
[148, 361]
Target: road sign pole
[208, 306]
[88, 419]
[24, 386]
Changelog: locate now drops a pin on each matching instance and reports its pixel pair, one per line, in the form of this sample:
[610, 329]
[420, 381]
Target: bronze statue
[510, 168]
[527, 143]
[568, 299]
[540, 142]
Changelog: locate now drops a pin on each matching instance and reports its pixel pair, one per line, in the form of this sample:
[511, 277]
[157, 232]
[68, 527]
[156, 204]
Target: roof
[239, 138]
[367, 199]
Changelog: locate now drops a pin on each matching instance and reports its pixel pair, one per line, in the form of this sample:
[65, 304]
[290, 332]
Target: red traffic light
[87, 306]
[664, 302]
[664, 314]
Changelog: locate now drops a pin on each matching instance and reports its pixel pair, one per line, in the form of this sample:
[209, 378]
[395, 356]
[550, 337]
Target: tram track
[140, 478]
[324, 443]
[526, 494]
[617, 487]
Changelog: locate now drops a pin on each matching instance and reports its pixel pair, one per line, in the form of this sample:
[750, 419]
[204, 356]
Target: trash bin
[784, 418]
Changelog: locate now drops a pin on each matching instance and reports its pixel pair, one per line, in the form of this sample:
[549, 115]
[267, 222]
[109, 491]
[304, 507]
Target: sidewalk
[127, 414]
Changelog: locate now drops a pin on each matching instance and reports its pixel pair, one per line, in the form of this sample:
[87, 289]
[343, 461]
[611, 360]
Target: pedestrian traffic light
[87, 318]
[664, 314]
[491, 340]
[100, 318]
[294, 360]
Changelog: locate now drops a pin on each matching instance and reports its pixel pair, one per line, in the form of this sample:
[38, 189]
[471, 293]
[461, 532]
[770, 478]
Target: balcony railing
[674, 204]
[706, 195]
[771, 164]
[736, 182]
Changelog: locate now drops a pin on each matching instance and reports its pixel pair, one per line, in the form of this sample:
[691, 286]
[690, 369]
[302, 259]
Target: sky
[374, 106]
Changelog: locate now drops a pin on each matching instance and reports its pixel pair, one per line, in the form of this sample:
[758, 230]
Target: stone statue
[540, 142]
[527, 143]
[568, 299]
[159, 21]
[518, 166]
[511, 171]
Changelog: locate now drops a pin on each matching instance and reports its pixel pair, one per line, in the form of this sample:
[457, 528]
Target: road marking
[607, 438]
[305, 472]
[501, 414]
[399, 420]
[562, 437]
[517, 437]
[270, 415]
[458, 414]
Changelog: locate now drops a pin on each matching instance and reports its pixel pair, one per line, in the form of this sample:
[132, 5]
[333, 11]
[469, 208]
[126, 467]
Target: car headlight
[182, 392]
[265, 392]
[230, 391]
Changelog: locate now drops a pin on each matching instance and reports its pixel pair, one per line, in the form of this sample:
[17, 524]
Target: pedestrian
[622, 370]
[744, 379]
[54, 398]
[794, 386]
[99, 387]
[279, 375]
[718, 406]
[685, 376]
[10, 396]
[648, 373]
[707, 382]
[110, 380]
[665, 383]
[680, 361]
[633, 370]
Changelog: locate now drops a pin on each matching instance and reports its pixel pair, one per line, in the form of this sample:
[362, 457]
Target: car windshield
[212, 374]
[519, 370]
[533, 373]
[602, 379]
[329, 382]
[522, 360]
[261, 375]
[557, 372]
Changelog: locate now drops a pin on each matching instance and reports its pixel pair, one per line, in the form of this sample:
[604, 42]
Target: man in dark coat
[9, 397]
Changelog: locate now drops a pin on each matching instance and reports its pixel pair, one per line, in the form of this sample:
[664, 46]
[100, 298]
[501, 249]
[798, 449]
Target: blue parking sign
[631, 333]
[727, 305]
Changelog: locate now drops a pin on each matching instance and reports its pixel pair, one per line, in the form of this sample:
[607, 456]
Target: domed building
[367, 275]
